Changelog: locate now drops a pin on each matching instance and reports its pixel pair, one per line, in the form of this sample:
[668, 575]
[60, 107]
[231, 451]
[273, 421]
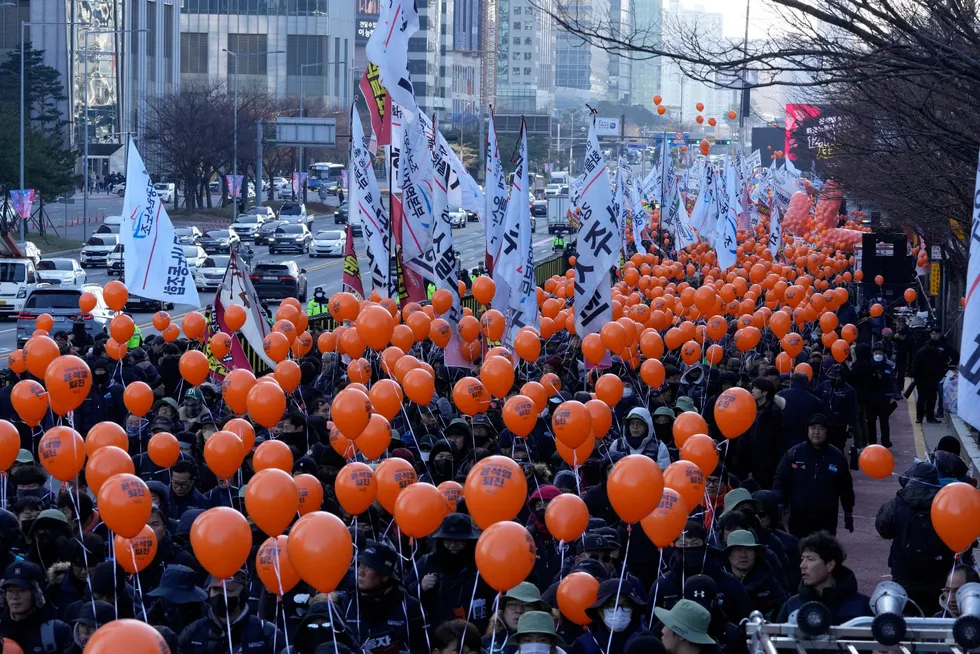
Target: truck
[560, 177]
[558, 207]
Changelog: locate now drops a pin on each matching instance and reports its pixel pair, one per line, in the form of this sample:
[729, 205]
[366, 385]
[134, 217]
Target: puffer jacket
[650, 446]
[842, 599]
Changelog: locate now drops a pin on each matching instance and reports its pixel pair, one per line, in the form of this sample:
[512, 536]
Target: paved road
[469, 242]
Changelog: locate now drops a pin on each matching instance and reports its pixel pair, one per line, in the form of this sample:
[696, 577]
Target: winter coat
[650, 446]
[759, 449]
[839, 403]
[101, 404]
[778, 540]
[449, 599]
[732, 596]
[766, 593]
[861, 374]
[918, 558]
[928, 365]
[800, 405]
[842, 599]
[390, 620]
[249, 635]
[56, 636]
[813, 483]
[193, 500]
[596, 637]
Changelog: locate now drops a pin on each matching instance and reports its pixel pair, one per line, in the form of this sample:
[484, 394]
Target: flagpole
[664, 153]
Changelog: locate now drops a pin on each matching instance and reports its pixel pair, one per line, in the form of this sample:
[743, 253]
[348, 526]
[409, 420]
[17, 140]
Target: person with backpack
[919, 560]
[27, 619]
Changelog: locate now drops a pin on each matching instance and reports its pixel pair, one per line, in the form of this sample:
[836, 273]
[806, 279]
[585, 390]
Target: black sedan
[264, 235]
[219, 241]
[277, 280]
[291, 238]
[137, 303]
[340, 215]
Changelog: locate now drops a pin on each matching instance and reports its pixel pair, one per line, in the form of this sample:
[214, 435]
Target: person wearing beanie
[757, 451]
[800, 405]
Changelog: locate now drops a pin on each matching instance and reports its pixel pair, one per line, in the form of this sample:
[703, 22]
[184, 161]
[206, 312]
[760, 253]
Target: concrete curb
[968, 441]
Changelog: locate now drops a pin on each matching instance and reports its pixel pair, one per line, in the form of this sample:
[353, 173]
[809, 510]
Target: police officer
[249, 633]
[558, 243]
[136, 340]
[318, 304]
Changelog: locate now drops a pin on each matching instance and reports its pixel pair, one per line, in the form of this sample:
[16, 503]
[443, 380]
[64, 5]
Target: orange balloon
[235, 317]
[351, 411]
[527, 345]
[194, 367]
[497, 375]
[171, 333]
[393, 475]
[567, 517]
[470, 396]
[452, 491]
[87, 302]
[505, 554]
[271, 499]
[840, 349]
[310, 493]
[551, 383]
[484, 289]
[221, 541]
[17, 361]
[419, 510]
[442, 300]
[876, 462]
[687, 479]
[9, 444]
[419, 386]
[634, 487]
[138, 398]
[30, 401]
[273, 455]
[163, 449]
[653, 373]
[288, 375]
[601, 418]
[735, 411]
[61, 452]
[376, 437]
[701, 450]
[686, 425]
[537, 393]
[235, 388]
[134, 554]
[579, 455]
[124, 504]
[520, 415]
[105, 433]
[356, 488]
[609, 389]
[115, 295]
[224, 453]
[495, 490]
[666, 522]
[440, 332]
[955, 514]
[276, 346]
[571, 423]
[272, 564]
[68, 380]
[104, 463]
[386, 398]
[266, 404]
[375, 325]
[320, 549]
[125, 635]
[577, 592]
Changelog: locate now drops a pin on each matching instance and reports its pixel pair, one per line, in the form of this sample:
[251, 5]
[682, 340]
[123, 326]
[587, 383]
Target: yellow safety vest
[136, 339]
[314, 308]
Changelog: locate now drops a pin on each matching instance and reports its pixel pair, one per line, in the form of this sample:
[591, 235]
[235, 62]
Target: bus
[324, 172]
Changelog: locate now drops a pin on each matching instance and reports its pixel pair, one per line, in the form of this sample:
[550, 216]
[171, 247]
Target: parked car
[340, 215]
[457, 219]
[116, 261]
[65, 272]
[275, 280]
[291, 238]
[195, 256]
[294, 212]
[18, 278]
[189, 235]
[29, 250]
[165, 190]
[214, 187]
[218, 241]
[111, 225]
[118, 189]
[138, 303]
[209, 275]
[328, 243]
[265, 234]
[61, 303]
[265, 213]
[97, 249]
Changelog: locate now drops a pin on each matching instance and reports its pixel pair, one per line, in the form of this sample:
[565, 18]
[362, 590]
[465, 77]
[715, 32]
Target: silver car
[66, 272]
[97, 249]
[328, 243]
[61, 303]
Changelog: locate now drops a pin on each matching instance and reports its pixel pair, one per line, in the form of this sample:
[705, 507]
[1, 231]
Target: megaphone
[966, 629]
[887, 603]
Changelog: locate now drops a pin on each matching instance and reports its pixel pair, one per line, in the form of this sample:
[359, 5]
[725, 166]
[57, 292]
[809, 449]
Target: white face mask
[535, 648]
[879, 358]
[627, 392]
[617, 619]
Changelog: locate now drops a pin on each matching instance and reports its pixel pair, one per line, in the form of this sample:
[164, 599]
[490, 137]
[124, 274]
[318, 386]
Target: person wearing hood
[863, 378]
[49, 538]
[460, 435]
[617, 612]
[319, 630]
[167, 554]
[747, 563]
[442, 465]
[447, 574]
[549, 560]
[514, 604]
[249, 633]
[771, 533]
[757, 451]
[85, 556]
[104, 401]
[641, 438]
[691, 556]
[177, 601]
[91, 616]
[839, 405]
[951, 468]
[918, 558]
[881, 405]
[800, 405]
[813, 479]
[827, 580]
[596, 498]
[484, 434]
[25, 615]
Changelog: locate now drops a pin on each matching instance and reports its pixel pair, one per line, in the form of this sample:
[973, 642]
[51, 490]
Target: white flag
[154, 262]
[236, 288]
[365, 200]
[684, 236]
[704, 214]
[513, 272]
[791, 169]
[462, 190]
[440, 262]
[726, 241]
[620, 210]
[387, 47]
[635, 204]
[775, 230]
[598, 244]
[650, 187]
[417, 188]
[668, 180]
[968, 387]
[752, 162]
[495, 198]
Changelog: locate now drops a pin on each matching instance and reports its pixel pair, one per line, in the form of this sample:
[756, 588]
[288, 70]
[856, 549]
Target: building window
[516, 70]
[302, 50]
[527, 56]
[517, 56]
[517, 11]
[194, 53]
[517, 25]
[527, 71]
[241, 44]
[517, 40]
[527, 40]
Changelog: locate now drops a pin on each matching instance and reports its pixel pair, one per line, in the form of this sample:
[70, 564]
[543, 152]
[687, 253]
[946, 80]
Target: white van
[97, 249]
[111, 225]
[17, 279]
[165, 190]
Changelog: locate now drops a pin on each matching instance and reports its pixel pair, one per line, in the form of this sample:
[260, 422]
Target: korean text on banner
[495, 198]
[378, 103]
[598, 243]
[365, 199]
[154, 262]
[352, 270]
[388, 48]
[968, 388]
[236, 288]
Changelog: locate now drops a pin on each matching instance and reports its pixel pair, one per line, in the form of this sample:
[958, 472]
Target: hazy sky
[761, 15]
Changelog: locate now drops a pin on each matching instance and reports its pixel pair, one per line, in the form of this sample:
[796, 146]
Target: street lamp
[23, 107]
[86, 52]
[234, 163]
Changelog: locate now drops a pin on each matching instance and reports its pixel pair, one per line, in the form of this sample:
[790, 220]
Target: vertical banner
[234, 184]
[775, 231]
[388, 48]
[23, 201]
[236, 288]
[417, 216]
[598, 243]
[299, 182]
[968, 387]
[495, 197]
[352, 270]
[379, 106]
[365, 200]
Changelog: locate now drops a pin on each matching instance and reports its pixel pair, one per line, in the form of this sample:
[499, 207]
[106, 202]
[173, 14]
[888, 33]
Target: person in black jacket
[177, 601]
[826, 580]
[928, 368]
[839, 405]
[801, 404]
[813, 479]
[91, 616]
[167, 553]
[27, 618]
[759, 449]
[385, 617]
[249, 633]
[918, 558]
[771, 531]
[183, 493]
[862, 377]
[104, 401]
[747, 563]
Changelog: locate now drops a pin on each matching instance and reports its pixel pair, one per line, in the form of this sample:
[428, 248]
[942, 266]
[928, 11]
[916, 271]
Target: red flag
[352, 271]
[379, 104]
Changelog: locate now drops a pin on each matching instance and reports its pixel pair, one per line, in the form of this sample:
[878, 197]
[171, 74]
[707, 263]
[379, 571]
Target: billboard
[605, 126]
[809, 134]
[367, 19]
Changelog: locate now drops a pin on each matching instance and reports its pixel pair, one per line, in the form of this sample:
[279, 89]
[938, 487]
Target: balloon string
[275, 621]
[139, 585]
[469, 611]
[81, 541]
[622, 574]
[357, 591]
[493, 628]
[418, 586]
[224, 591]
[714, 510]
[656, 589]
[115, 577]
[562, 545]
[333, 630]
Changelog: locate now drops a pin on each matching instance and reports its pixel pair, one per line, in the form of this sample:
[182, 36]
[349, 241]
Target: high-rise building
[620, 68]
[581, 69]
[645, 73]
[525, 57]
[427, 55]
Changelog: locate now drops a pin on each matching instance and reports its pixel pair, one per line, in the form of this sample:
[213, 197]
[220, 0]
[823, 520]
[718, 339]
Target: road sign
[679, 135]
[934, 278]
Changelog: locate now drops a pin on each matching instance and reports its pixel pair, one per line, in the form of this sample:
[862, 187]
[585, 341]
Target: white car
[66, 272]
[97, 249]
[247, 224]
[195, 255]
[111, 225]
[165, 190]
[189, 235]
[294, 213]
[328, 243]
[457, 219]
[118, 189]
[210, 274]
[29, 250]
[17, 279]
